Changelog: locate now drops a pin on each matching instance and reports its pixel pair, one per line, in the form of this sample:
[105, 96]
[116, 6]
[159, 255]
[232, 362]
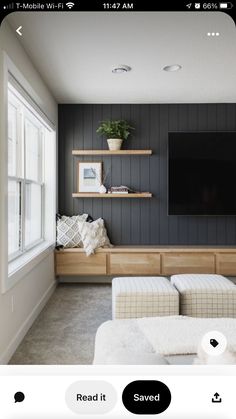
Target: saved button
[146, 397]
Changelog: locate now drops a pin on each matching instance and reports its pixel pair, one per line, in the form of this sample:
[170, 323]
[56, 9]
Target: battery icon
[226, 5]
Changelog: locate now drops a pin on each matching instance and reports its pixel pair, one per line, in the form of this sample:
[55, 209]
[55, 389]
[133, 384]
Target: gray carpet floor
[64, 332]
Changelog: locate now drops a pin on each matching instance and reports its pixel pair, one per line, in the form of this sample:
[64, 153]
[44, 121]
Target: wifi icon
[70, 4]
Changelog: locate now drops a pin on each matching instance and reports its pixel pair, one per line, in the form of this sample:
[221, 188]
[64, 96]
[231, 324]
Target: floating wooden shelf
[110, 195]
[110, 153]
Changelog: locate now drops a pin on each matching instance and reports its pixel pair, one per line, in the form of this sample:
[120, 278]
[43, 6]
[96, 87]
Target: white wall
[22, 303]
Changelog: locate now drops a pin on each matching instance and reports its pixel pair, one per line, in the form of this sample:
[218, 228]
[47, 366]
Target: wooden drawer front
[180, 263]
[226, 263]
[80, 264]
[135, 264]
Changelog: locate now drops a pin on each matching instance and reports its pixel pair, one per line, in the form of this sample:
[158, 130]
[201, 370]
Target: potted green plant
[115, 132]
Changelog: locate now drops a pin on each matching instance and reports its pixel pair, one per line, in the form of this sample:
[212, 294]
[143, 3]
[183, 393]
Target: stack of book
[120, 189]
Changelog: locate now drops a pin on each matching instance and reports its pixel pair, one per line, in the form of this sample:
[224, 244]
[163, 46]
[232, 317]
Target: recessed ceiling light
[121, 68]
[172, 67]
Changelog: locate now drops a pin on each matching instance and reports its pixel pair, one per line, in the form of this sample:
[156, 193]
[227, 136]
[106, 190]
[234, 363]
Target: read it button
[91, 397]
[146, 397]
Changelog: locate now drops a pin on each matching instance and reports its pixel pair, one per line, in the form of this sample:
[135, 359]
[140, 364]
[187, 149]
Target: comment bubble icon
[19, 397]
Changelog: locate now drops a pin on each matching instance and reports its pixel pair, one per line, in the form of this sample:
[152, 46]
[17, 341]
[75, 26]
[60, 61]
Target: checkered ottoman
[134, 297]
[205, 295]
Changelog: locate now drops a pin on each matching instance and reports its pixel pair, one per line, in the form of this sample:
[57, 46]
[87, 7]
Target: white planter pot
[114, 143]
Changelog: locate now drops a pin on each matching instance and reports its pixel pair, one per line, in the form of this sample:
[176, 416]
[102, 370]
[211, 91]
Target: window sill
[21, 266]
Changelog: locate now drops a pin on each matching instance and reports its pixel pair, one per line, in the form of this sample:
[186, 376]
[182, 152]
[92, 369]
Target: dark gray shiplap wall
[140, 221]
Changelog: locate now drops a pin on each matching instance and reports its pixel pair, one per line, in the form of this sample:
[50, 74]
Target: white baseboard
[13, 345]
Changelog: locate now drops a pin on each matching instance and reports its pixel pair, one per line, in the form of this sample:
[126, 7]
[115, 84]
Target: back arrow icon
[18, 30]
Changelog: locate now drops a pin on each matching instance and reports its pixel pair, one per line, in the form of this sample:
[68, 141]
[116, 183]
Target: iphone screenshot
[117, 209]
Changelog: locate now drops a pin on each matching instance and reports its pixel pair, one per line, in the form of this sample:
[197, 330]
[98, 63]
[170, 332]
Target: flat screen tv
[202, 173]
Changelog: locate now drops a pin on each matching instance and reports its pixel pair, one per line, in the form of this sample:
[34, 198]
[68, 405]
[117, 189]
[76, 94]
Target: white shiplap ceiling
[75, 52]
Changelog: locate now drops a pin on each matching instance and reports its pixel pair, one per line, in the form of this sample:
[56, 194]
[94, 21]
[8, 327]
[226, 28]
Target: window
[27, 134]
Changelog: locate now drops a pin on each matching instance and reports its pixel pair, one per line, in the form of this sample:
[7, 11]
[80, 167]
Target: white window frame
[11, 273]
[26, 113]
[20, 263]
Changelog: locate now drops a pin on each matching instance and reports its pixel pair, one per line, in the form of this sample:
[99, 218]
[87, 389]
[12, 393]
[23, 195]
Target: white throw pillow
[94, 235]
[68, 230]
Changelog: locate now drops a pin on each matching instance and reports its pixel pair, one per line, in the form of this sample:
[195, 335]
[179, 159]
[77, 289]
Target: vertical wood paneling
[140, 221]
[135, 176]
[221, 126]
[183, 221]
[116, 180]
[78, 115]
[231, 221]
[163, 218]
[173, 221]
[192, 120]
[154, 163]
[88, 143]
[68, 167]
[106, 203]
[212, 126]
[96, 116]
[126, 180]
[145, 175]
[202, 221]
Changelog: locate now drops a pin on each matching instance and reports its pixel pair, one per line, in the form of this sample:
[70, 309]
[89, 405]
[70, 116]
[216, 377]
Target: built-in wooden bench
[147, 260]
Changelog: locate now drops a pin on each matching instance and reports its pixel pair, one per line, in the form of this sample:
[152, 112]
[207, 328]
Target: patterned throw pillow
[94, 235]
[68, 230]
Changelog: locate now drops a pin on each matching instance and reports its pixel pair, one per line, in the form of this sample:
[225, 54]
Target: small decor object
[115, 131]
[89, 176]
[102, 189]
[121, 190]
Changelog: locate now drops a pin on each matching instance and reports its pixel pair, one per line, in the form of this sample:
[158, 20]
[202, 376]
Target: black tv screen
[202, 173]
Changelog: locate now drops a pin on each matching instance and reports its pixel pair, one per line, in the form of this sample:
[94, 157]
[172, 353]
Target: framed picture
[89, 176]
